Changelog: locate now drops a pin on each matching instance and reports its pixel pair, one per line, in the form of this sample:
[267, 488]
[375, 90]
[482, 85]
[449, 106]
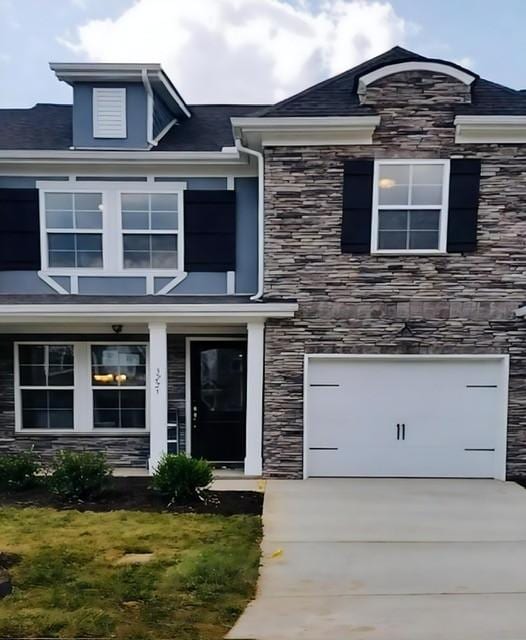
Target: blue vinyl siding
[135, 117]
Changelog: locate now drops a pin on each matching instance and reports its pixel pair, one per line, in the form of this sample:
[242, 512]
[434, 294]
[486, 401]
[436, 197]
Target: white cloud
[243, 50]
[466, 62]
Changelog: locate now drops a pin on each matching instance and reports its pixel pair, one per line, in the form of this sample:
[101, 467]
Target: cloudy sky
[249, 50]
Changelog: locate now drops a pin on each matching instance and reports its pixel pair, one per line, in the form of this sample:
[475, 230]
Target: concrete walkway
[397, 559]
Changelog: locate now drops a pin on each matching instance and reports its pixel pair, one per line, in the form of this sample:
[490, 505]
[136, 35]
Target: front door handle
[403, 431]
[398, 432]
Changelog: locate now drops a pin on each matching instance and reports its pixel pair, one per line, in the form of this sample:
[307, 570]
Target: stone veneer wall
[177, 383]
[125, 450]
[359, 303]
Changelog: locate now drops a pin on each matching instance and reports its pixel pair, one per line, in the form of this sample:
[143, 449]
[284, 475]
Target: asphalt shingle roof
[48, 126]
[337, 96]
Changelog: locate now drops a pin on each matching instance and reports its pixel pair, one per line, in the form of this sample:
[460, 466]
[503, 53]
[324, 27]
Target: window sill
[87, 271]
[91, 432]
[409, 252]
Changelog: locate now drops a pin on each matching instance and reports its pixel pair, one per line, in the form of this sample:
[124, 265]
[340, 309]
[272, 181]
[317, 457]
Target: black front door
[218, 400]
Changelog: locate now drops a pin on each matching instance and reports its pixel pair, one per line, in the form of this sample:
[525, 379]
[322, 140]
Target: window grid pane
[149, 211]
[410, 185]
[73, 210]
[150, 251]
[409, 229]
[46, 378]
[82, 250]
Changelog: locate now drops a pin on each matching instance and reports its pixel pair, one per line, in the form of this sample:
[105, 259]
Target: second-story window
[410, 206]
[73, 229]
[150, 224]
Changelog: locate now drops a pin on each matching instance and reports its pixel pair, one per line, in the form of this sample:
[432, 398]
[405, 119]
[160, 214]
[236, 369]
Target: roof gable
[338, 96]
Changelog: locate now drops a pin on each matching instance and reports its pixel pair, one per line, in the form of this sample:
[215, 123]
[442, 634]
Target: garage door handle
[398, 432]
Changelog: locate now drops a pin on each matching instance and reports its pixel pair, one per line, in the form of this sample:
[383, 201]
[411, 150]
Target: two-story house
[328, 286]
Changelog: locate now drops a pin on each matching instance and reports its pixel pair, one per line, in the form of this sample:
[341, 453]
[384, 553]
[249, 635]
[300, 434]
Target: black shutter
[357, 206]
[210, 230]
[464, 184]
[19, 230]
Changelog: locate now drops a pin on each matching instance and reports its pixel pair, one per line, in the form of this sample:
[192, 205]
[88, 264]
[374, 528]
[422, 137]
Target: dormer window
[109, 112]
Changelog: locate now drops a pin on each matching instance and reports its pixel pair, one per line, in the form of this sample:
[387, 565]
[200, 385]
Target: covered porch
[144, 379]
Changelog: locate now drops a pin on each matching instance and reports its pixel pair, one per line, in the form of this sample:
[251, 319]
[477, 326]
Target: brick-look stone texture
[125, 450]
[456, 304]
[177, 383]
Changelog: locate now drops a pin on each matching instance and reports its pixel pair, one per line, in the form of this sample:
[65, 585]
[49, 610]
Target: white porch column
[157, 392]
[254, 423]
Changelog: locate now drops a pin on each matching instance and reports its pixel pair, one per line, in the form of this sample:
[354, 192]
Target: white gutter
[170, 312]
[149, 108]
[261, 215]
[227, 156]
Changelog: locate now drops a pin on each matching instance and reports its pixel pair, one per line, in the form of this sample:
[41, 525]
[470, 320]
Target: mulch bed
[133, 494]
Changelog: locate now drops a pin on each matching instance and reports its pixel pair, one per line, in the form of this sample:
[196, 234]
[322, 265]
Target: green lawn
[68, 584]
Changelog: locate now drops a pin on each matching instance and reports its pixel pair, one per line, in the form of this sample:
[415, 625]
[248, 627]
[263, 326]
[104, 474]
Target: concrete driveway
[391, 559]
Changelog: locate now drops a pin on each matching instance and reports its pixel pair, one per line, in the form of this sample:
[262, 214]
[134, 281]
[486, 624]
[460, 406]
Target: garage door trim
[500, 449]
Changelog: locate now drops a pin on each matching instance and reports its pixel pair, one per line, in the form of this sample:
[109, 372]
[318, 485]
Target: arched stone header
[437, 67]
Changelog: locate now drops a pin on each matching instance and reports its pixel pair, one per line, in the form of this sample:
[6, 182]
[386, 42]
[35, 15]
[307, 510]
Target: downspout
[261, 215]
[149, 108]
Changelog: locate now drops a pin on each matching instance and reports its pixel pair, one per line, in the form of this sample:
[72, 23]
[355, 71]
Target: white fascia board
[490, 129]
[75, 71]
[122, 157]
[307, 130]
[168, 312]
[165, 81]
[401, 67]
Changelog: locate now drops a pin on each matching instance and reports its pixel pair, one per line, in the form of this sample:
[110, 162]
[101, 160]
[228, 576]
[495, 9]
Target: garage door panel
[379, 462]
[450, 413]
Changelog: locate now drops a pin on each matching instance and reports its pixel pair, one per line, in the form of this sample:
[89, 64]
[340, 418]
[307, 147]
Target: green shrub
[79, 476]
[179, 477]
[19, 471]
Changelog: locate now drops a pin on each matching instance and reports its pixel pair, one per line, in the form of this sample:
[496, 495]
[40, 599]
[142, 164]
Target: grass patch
[67, 584]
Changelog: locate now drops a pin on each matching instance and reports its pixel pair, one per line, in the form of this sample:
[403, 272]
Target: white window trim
[442, 239]
[112, 259]
[82, 391]
[118, 129]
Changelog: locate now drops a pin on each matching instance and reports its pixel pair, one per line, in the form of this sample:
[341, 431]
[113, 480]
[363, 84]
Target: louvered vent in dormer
[109, 112]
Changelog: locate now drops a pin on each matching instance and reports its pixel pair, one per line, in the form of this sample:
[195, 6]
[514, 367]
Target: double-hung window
[410, 206]
[73, 227]
[150, 231]
[46, 386]
[119, 386]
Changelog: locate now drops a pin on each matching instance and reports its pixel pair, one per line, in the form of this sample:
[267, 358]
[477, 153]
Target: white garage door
[405, 416]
